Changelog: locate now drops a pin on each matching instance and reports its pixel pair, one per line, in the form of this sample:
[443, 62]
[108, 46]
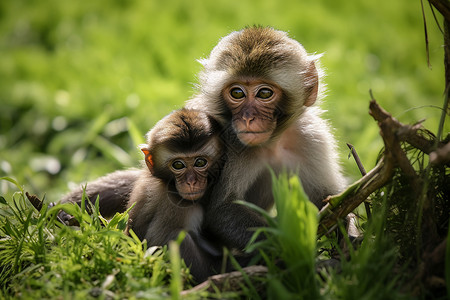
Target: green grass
[291, 237]
[370, 272]
[42, 258]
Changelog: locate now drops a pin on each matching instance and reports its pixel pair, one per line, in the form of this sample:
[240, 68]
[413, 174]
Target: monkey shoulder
[147, 190]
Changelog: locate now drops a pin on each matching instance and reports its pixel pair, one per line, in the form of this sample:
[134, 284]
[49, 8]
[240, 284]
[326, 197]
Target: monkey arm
[202, 258]
[113, 191]
[232, 223]
[201, 263]
[199, 255]
[260, 192]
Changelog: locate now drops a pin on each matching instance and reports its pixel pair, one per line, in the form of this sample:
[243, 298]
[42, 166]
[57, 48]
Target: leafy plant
[43, 258]
[291, 239]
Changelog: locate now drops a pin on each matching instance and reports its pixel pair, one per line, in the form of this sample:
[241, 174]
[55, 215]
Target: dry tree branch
[363, 173]
[393, 132]
[441, 155]
[341, 205]
[229, 282]
[38, 204]
[35, 201]
[408, 133]
[357, 159]
[443, 6]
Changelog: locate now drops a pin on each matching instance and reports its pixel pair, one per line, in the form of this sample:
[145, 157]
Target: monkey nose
[248, 119]
[191, 181]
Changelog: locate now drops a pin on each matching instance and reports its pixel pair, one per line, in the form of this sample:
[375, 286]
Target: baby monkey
[184, 156]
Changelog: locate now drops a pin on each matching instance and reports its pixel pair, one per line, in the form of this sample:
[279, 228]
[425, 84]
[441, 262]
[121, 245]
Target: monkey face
[191, 176]
[253, 105]
[187, 170]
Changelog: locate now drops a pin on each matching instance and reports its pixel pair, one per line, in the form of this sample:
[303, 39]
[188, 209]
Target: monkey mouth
[254, 132]
[192, 196]
[254, 138]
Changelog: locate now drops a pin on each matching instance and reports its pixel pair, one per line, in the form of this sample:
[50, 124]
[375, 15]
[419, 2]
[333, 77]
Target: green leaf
[258, 209]
[13, 182]
[176, 285]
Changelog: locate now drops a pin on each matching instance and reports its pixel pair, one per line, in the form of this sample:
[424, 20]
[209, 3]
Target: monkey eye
[264, 93]
[200, 162]
[178, 165]
[237, 93]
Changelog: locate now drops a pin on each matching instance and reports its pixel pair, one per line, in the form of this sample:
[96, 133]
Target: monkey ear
[311, 84]
[148, 158]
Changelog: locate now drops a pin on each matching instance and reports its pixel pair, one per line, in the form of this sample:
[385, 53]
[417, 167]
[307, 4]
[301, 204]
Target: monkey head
[184, 151]
[259, 80]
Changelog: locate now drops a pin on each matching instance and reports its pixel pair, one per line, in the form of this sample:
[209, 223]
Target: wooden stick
[363, 173]
[393, 132]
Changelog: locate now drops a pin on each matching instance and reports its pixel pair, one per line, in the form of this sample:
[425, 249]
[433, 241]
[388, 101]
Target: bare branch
[407, 133]
[393, 132]
[339, 206]
[363, 172]
[441, 155]
[443, 6]
[229, 282]
[37, 203]
[357, 159]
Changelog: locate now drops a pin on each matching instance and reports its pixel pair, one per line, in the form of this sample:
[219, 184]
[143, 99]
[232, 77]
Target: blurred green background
[82, 81]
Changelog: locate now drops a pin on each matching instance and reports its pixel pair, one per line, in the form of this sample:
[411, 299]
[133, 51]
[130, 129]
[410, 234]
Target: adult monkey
[261, 86]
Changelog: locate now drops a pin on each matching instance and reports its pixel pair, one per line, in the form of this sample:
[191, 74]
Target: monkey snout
[248, 120]
[192, 195]
[250, 138]
[192, 190]
[191, 180]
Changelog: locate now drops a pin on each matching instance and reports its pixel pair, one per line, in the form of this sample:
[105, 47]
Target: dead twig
[35, 201]
[341, 205]
[231, 282]
[357, 159]
[408, 133]
[441, 156]
[443, 6]
[393, 133]
[363, 173]
[38, 204]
